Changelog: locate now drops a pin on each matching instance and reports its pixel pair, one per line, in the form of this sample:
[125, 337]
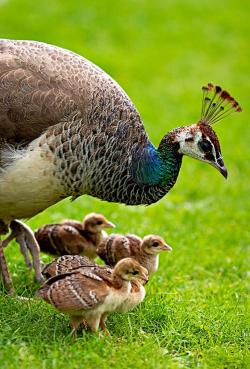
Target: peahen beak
[223, 171]
[220, 166]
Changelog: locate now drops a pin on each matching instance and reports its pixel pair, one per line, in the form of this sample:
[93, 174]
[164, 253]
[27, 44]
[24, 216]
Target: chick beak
[166, 247]
[109, 225]
[144, 277]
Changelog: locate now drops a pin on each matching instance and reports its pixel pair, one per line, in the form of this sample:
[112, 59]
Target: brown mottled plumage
[83, 294]
[67, 263]
[145, 251]
[73, 237]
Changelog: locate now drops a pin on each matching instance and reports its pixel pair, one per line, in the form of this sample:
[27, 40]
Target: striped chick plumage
[85, 295]
[73, 237]
[67, 263]
[146, 251]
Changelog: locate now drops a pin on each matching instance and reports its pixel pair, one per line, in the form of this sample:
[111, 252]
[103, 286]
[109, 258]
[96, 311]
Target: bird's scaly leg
[26, 239]
[23, 247]
[7, 281]
[24, 250]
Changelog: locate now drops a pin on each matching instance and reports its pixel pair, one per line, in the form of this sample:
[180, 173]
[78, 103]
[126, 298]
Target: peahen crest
[217, 104]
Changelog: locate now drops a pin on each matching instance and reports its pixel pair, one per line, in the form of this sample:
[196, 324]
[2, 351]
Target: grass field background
[195, 311]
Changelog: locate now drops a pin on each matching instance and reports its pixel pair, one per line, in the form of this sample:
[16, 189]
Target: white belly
[28, 186]
[136, 296]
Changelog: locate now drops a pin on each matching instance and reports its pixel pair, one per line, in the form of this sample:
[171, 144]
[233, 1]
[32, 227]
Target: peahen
[67, 129]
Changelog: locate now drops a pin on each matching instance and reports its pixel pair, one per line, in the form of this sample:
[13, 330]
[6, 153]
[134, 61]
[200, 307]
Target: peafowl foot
[25, 238]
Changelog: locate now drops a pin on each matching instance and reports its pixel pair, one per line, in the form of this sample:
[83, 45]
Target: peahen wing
[40, 85]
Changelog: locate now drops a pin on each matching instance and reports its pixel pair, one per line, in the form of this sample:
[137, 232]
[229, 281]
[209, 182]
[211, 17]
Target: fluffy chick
[73, 237]
[146, 251]
[67, 263]
[84, 295]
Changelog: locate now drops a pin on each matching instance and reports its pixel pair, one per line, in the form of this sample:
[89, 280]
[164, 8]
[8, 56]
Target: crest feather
[217, 104]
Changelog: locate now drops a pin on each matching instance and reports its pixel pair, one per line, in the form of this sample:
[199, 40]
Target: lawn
[195, 311]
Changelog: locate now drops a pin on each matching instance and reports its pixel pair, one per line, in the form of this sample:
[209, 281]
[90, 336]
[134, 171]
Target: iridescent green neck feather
[158, 166]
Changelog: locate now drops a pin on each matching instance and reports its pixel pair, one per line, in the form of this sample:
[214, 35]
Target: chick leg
[84, 326]
[93, 322]
[7, 281]
[103, 325]
[75, 321]
[26, 239]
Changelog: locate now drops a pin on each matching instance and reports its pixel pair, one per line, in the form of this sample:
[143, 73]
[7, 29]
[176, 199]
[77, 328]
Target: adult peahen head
[158, 168]
[199, 140]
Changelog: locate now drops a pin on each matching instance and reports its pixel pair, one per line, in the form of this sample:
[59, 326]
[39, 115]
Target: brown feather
[65, 263]
[38, 88]
[42, 85]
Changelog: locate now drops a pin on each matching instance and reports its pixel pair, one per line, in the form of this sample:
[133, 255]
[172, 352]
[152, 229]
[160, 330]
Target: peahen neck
[158, 167]
[104, 170]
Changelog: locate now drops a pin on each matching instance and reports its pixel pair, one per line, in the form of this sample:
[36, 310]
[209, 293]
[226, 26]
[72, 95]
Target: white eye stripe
[213, 148]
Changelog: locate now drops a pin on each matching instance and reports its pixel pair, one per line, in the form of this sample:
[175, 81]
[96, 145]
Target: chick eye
[205, 145]
[135, 272]
[155, 244]
[99, 222]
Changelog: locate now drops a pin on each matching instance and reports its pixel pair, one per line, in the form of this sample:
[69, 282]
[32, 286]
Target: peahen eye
[99, 222]
[205, 145]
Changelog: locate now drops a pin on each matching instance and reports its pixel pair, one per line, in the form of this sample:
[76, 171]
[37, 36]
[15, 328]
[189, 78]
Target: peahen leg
[5, 272]
[26, 239]
[24, 250]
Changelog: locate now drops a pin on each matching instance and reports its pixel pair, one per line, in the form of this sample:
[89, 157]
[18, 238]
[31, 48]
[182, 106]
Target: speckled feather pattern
[75, 291]
[61, 239]
[117, 247]
[86, 294]
[73, 237]
[85, 122]
[67, 263]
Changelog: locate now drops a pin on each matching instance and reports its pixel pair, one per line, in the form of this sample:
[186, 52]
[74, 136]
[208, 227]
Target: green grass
[195, 311]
